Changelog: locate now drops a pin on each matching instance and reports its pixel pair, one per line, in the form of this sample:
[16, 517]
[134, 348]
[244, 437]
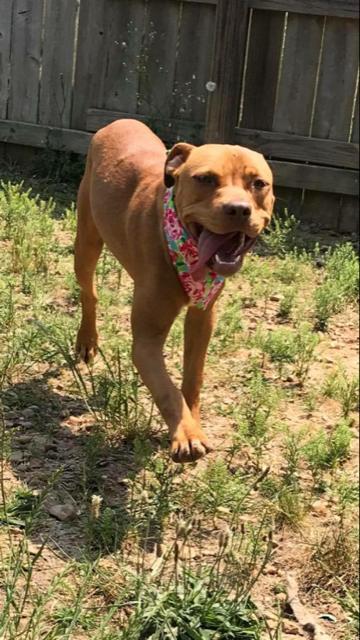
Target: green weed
[26, 222]
[284, 347]
[326, 451]
[344, 388]
[281, 235]
[340, 285]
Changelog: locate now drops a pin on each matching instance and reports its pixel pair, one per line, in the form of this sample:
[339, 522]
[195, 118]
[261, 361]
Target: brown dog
[222, 192]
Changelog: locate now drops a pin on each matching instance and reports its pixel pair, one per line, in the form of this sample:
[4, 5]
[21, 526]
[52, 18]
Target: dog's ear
[176, 157]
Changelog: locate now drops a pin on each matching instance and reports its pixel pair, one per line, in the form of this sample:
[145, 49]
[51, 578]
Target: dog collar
[184, 254]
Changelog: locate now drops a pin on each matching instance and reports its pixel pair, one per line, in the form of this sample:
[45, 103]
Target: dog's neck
[184, 254]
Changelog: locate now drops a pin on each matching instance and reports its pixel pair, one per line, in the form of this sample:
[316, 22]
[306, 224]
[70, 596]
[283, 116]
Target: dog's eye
[206, 178]
[259, 184]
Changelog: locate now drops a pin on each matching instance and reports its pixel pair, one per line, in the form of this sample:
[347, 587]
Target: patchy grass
[101, 535]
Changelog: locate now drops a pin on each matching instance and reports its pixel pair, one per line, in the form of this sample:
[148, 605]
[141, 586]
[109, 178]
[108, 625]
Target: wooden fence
[278, 76]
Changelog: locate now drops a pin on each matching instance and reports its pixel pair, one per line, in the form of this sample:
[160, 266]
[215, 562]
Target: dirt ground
[51, 431]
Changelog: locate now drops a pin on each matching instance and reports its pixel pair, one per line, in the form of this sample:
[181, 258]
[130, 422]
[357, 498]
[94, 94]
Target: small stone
[271, 570]
[39, 443]
[281, 597]
[62, 512]
[16, 457]
[24, 438]
[319, 508]
[75, 420]
[290, 627]
[276, 297]
[28, 412]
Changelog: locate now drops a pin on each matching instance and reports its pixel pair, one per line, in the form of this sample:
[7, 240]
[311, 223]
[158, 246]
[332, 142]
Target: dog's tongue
[208, 245]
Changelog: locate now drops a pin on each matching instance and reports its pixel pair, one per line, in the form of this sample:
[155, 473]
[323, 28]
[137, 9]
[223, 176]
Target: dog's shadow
[60, 455]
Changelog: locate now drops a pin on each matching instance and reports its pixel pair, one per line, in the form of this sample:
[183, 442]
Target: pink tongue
[208, 244]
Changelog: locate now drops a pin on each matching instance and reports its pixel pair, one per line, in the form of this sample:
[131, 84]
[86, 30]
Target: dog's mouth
[222, 253]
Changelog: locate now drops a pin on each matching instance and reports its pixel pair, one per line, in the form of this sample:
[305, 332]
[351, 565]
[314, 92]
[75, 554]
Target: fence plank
[297, 83]
[200, 1]
[193, 65]
[158, 59]
[338, 73]
[355, 131]
[90, 61]
[5, 41]
[42, 136]
[307, 176]
[57, 63]
[339, 8]
[232, 18]
[262, 69]
[168, 129]
[349, 215]
[322, 208]
[298, 78]
[340, 47]
[25, 60]
[124, 25]
[292, 147]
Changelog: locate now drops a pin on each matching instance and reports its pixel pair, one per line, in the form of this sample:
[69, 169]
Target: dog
[213, 201]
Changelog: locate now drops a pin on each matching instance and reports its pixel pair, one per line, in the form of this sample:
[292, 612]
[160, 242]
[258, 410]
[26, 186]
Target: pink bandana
[184, 254]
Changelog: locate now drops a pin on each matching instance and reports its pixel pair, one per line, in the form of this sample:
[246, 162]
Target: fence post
[227, 70]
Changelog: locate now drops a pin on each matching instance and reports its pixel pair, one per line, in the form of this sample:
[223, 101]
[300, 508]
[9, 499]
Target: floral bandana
[184, 255]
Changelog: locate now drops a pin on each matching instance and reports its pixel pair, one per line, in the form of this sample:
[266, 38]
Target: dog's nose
[240, 209]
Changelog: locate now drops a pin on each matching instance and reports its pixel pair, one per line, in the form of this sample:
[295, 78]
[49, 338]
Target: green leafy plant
[340, 284]
[287, 303]
[344, 388]
[254, 413]
[194, 610]
[281, 235]
[325, 451]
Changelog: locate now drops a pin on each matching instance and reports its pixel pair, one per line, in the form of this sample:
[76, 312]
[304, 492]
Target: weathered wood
[355, 130]
[124, 27]
[57, 63]
[338, 73]
[293, 147]
[307, 176]
[232, 18]
[25, 60]
[321, 208]
[262, 69]
[5, 42]
[158, 59]
[41, 136]
[338, 76]
[193, 64]
[200, 1]
[298, 77]
[90, 61]
[170, 130]
[289, 200]
[349, 215]
[338, 8]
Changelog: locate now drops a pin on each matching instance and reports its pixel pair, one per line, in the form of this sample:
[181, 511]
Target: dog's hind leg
[88, 246]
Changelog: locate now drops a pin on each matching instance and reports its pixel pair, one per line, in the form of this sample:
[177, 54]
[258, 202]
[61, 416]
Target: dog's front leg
[151, 322]
[198, 330]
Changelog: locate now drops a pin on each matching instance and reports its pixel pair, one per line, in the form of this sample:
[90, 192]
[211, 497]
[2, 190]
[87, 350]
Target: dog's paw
[86, 347]
[189, 444]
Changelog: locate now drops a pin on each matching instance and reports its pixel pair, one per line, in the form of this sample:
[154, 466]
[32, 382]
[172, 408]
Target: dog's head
[224, 197]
